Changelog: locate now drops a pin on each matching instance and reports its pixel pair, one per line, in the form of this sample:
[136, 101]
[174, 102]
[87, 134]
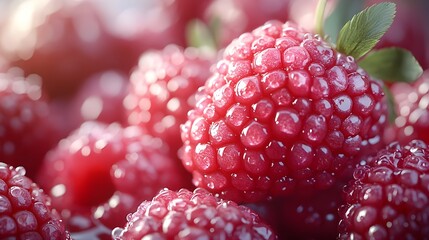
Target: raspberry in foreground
[192, 215]
[283, 111]
[25, 210]
[389, 197]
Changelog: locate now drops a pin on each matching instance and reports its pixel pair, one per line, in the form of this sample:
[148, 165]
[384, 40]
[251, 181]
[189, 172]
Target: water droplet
[117, 232]
[20, 170]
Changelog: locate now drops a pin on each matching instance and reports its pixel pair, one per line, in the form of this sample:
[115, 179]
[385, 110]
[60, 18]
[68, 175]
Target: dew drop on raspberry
[319, 88]
[315, 128]
[255, 163]
[262, 43]
[254, 135]
[284, 43]
[281, 97]
[247, 89]
[20, 170]
[205, 159]
[299, 83]
[337, 79]
[220, 133]
[199, 130]
[363, 104]
[352, 125]
[229, 158]
[267, 60]
[238, 70]
[242, 181]
[315, 69]
[273, 80]
[377, 232]
[357, 84]
[301, 156]
[364, 218]
[237, 115]
[287, 123]
[343, 105]
[324, 107]
[223, 97]
[296, 58]
[215, 181]
[262, 110]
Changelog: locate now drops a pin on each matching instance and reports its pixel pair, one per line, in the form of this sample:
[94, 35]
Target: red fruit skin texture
[65, 42]
[25, 210]
[27, 130]
[389, 197]
[105, 170]
[162, 90]
[192, 215]
[412, 111]
[283, 112]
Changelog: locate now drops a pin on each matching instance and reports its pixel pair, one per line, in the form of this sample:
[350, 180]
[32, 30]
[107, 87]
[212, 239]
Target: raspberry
[192, 215]
[26, 211]
[412, 109]
[100, 99]
[282, 112]
[389, 197]
[107, 168]
[26, 128]
[162, 90]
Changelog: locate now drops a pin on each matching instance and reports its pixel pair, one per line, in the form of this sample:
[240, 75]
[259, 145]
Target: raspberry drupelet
[192, 215]
[389, 197]
[282, 111]
[25, 210]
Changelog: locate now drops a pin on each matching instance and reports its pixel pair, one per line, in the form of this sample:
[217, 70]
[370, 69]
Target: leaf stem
[320, 13]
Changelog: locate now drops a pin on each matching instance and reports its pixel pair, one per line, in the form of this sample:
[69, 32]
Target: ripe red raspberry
[108, 167]
[25, 210]
[27, 131]
[100, 99]
[412, 109]
[162, 90]
[389, 197]
[192, 215]
[283, 111]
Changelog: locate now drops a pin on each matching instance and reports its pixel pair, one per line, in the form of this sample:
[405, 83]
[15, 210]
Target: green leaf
[343, 11]
[392, 65]
[364, 30]
[198, 35]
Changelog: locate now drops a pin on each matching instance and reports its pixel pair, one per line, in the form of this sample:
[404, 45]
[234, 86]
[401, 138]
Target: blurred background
[67, 41]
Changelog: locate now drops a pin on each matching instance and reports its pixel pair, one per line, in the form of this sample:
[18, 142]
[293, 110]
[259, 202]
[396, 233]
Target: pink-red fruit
[283, 112]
